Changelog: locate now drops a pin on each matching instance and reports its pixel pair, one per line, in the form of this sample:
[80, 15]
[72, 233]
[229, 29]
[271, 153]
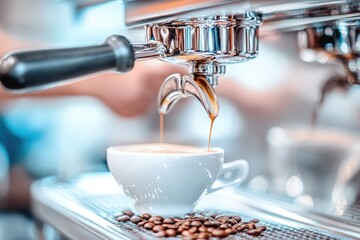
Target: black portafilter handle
[43, 68]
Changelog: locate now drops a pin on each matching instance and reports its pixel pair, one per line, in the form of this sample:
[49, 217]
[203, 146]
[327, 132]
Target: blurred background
[264, 104]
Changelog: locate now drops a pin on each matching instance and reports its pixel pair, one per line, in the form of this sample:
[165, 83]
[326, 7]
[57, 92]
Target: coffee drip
[333, 84]
[332, 42]
[176, 87]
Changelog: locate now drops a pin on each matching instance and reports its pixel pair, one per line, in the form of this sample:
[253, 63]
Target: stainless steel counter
[85, 208]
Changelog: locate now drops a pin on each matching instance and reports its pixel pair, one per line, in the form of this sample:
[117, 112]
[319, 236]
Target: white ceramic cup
[171, 183]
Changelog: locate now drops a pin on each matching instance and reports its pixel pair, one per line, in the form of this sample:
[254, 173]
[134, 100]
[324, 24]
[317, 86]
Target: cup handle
[233, 172]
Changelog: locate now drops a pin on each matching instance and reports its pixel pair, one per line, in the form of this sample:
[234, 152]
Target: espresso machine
[206, 36]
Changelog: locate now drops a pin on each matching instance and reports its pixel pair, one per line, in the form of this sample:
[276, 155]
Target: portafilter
[204, 44]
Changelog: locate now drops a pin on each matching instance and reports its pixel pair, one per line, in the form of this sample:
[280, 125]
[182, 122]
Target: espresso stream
[161, 128]
[162, 119]
[335, 83]
[211, 99]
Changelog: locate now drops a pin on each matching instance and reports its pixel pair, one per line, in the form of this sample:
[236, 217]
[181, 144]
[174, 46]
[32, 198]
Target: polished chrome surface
[149, 50]
[296, 16]
[220, 39]
[277, 14]
[334, 41]
[206, 44]
[209, 70]
[176, 87]
[337, 39]
[84, 209]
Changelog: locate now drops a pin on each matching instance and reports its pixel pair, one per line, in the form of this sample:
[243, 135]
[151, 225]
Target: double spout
[176, 87]
[336, 41]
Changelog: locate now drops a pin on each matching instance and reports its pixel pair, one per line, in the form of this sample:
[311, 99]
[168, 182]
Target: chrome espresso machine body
[204, 35]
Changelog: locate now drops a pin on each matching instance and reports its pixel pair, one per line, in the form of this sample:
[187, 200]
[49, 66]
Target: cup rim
[116, 150]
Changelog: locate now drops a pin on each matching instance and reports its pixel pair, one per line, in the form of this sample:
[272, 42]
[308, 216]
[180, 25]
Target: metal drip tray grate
[85, 209]
[104, 206]
[353, 213]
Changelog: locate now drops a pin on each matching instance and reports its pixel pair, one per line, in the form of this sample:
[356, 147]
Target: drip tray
[85, 208]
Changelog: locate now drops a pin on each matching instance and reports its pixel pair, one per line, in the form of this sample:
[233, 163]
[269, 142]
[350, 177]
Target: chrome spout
[334, 42]
[176, 87]
[276, 14]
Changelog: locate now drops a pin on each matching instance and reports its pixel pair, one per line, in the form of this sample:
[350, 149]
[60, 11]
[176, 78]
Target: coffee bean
[236, 225]
[123, 218]
[219, 233]
[160, 218]
[193, 226]
[171, 232]
[222, 219]
[202, 229]
[156, 218]
[225, 226]
[161, 234]
[199, 219]
[204, 235]
[255, 220]
[214, 223]
[193, 229]
[230, 231]
[158, 228]
[149, 225]
[196, 224]
[232, 221]
[186, 227]
[187, 223]
[135, 219]
[191, 237]
[185, 233]
[251, 226]
[241, 228]
[178, 223]
[128, 212]
[141, 224]
[211, 223]
[254, 232]
[210, 229]
[146, 216]
[238, 219]
[171, 226]
[263, 228]
[169, 221]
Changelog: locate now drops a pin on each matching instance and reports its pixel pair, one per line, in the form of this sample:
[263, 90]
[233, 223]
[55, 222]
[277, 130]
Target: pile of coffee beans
[193, 226]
